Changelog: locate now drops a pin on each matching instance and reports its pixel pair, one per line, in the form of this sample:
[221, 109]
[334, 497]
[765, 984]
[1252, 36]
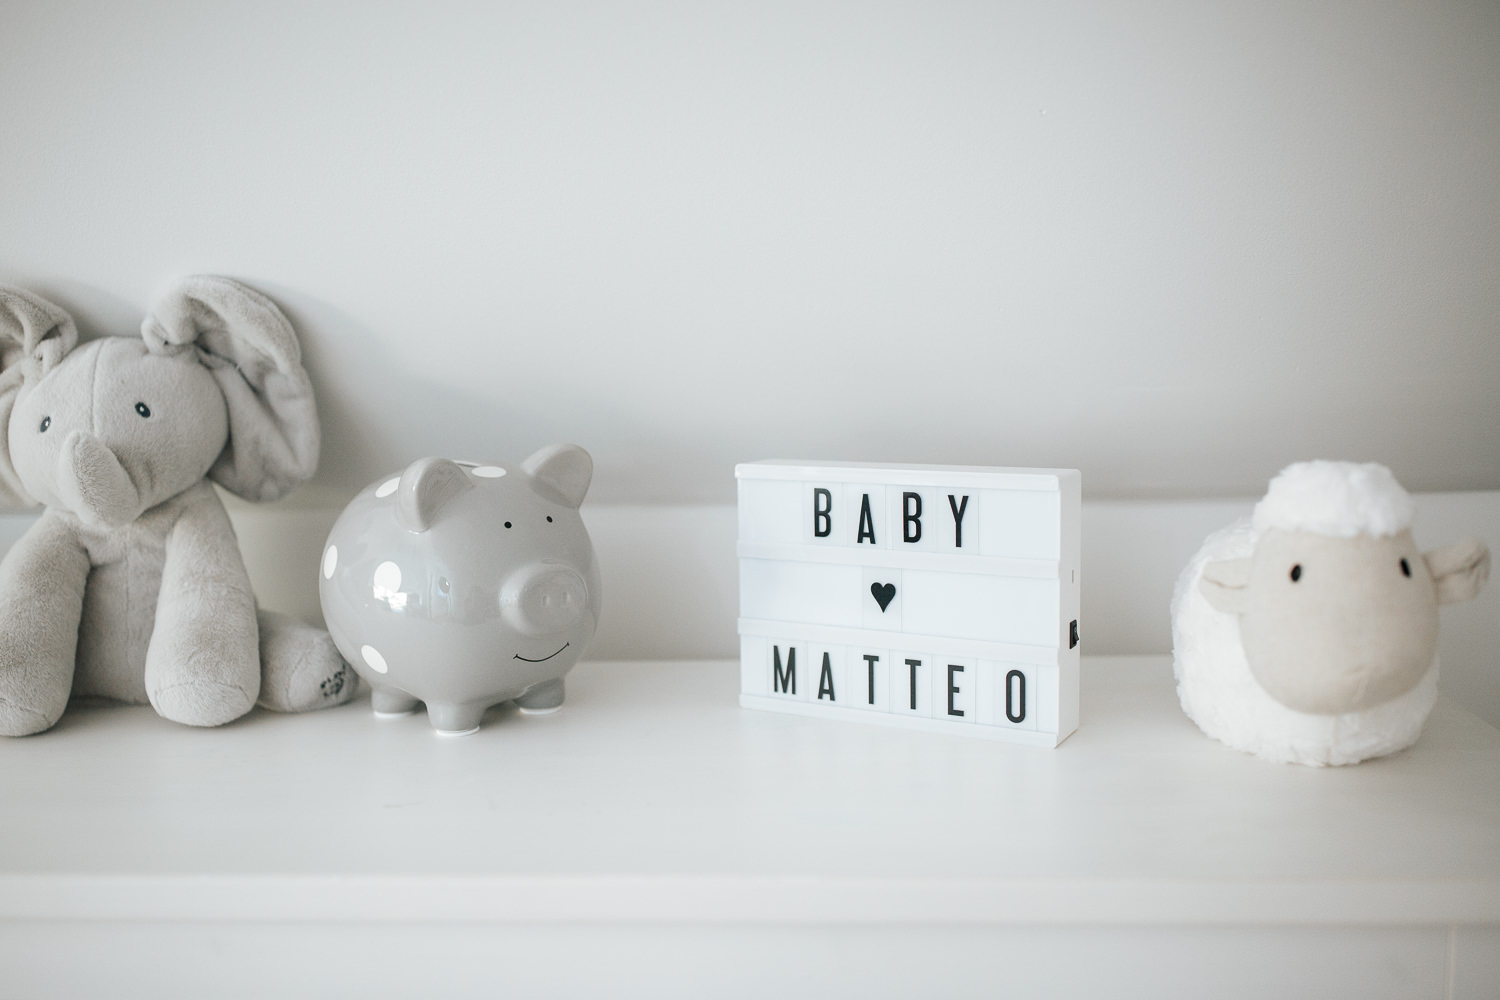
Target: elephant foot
[390, 704]
[201, 701]
[33, 689]
[18, 720]
[301, 669]
[544, 699]
[455, 720]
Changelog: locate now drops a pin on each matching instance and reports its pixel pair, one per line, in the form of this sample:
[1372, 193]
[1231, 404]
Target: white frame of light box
[995, 606]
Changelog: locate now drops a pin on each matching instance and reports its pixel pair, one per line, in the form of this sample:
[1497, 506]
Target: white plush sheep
[1308, 633]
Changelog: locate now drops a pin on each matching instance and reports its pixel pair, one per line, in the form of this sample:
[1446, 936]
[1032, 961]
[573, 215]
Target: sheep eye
[143, 409]
[1405, 568]
[1296, 572]
[46, 422]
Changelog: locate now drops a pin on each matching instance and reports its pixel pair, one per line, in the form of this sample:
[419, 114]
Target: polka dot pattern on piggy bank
[460, 586]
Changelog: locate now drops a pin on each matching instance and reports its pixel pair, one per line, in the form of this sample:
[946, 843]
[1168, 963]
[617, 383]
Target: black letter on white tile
[914, 664]
[871, 659]
[825, 681]
[784, 681]
[1020, 696]
[911, 517]
[822, 513]
[954, 668]
[866, 522]
[958, 519]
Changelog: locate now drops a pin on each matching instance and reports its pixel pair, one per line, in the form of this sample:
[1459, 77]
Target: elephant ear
[250, 348]
[34, 337]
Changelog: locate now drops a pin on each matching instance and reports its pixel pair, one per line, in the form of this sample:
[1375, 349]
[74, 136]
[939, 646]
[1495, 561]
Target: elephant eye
[1405, 568]
[1296, 572]
[143, 409]
[46, 422]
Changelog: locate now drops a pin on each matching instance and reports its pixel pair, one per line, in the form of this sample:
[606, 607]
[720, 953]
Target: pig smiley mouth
[545, 658]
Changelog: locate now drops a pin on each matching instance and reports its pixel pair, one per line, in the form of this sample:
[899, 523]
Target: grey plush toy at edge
[463, 585]
[131, 586]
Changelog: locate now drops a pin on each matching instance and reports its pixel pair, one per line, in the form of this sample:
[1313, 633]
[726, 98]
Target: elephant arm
[203, 664]
[42, 581]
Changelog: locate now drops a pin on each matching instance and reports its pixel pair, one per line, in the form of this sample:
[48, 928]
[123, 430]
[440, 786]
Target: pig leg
[389, 703]
[455, 720]
[543, 699]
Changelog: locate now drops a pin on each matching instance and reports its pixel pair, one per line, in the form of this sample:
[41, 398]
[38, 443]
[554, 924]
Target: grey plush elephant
[130, 586]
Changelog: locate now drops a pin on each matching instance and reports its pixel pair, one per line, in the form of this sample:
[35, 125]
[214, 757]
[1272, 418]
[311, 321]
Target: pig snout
[543, 598]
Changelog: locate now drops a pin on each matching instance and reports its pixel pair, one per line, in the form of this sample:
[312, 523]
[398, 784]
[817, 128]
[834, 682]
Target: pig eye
[46, 422]
[1405, 568]
[1296, 572]
[143, 409]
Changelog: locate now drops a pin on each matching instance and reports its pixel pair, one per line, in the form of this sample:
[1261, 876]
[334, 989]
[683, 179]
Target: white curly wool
[1342, 499]
[1219, 693]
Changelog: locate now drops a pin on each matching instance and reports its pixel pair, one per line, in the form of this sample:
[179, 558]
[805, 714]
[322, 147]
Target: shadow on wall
[377, 416]
[97, 313]
[362, 407]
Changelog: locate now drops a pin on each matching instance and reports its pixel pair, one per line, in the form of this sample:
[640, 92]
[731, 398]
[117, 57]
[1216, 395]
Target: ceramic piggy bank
[462, 586]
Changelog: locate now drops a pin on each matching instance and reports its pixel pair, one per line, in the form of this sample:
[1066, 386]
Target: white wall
[1176, 245]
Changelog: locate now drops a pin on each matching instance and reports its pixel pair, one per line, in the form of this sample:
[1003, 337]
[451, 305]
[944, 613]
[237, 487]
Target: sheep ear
[251, 350]
[1459, 571]
[561, 473]
[1226, 584]
[34, 336]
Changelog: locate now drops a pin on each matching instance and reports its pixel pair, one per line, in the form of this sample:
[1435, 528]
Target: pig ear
[426, 485]
[1226, 584]
[249, 347]
[34, 337]
[561, 473]
[1460, 570]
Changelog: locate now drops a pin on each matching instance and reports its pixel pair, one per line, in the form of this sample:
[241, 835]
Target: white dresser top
[653, 797]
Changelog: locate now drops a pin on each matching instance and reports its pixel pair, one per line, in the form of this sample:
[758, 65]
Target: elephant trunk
[93, 484]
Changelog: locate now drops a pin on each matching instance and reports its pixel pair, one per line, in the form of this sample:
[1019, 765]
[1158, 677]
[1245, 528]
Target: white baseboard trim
[671, 577]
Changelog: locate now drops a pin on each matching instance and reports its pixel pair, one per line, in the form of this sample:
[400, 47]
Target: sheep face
[1338, 624]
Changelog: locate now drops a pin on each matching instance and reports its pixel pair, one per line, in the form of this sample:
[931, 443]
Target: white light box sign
[935, 597]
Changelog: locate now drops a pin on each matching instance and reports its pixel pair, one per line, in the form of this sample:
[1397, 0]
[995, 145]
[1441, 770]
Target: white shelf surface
[654, 799]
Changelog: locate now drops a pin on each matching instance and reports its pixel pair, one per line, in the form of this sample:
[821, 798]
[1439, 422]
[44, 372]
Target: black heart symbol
[884, 594]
